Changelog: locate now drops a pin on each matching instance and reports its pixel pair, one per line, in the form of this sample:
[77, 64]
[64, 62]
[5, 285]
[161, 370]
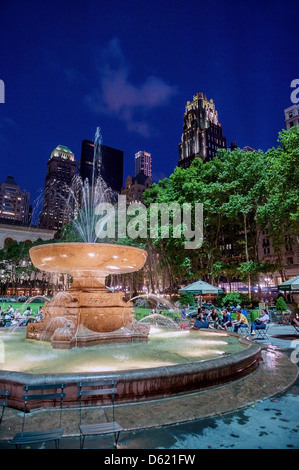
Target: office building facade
[291, 116]
[14, 202]
[107, 163]
[135, 187]
[143, 163]
[61, 168]
[202, 132]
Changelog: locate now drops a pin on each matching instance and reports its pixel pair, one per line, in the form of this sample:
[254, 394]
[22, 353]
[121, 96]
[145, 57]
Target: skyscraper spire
[202, 132]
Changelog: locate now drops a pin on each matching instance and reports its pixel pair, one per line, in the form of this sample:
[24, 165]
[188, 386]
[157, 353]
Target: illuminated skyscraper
[61, 169]
[14, 203]
[109, 165]
[202, 132]
[143, 163]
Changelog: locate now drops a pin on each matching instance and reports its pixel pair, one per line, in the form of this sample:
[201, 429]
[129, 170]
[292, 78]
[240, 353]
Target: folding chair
[295, 324]
[243, 330]
[4, 394]
[103, 388]
[40, 435]
[261, 333]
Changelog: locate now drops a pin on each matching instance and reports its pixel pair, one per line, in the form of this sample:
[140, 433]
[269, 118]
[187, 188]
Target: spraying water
[85, 196]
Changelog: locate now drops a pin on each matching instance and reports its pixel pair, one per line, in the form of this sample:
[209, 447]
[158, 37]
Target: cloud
[117, 96]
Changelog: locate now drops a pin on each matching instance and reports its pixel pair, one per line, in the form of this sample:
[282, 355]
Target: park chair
[38, 393]
[262, 333]
[97, 388]
[243, 330]
[4, 394]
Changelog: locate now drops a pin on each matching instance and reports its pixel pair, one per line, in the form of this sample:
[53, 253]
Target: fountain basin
[99, 259]
[88, 305]
[141, 384]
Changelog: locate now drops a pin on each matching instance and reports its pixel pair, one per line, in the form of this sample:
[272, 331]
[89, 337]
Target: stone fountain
[88, 313]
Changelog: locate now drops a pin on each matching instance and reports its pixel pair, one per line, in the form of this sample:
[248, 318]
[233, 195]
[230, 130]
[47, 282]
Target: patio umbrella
[291, 284]
[200, 287]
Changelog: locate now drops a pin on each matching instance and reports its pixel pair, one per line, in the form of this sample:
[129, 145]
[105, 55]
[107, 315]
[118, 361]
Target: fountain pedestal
[87, 313]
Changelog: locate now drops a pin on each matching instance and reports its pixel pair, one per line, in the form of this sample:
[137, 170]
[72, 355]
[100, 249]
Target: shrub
[281, 305]
[186, 299]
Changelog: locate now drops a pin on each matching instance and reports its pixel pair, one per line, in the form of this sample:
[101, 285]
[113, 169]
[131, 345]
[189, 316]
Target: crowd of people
[15, 318]
[212, 318]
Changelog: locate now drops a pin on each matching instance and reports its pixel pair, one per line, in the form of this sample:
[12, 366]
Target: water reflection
[165, 347]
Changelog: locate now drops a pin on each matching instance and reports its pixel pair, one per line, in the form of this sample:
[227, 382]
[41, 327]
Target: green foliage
[281, 305]
[231, 298]
[186, 299]
[242, 193]
[281, 209]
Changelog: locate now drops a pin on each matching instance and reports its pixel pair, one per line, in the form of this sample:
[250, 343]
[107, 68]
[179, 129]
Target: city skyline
[130, 69]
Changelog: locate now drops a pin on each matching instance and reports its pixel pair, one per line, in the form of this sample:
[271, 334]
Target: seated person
[200, 323]
[206, 313]
[261, 322]
[295, 320]
[214, 319]
[240, 322]
[27, 312]
[17, 318]
[226, 320]
[10, 311]
[183, 313]
[2, 321]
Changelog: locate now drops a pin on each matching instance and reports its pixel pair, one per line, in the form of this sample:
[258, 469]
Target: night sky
[129, 66]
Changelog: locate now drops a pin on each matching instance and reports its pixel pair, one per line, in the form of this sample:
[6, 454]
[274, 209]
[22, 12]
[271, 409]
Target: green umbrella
[291, 284]
[200, 287]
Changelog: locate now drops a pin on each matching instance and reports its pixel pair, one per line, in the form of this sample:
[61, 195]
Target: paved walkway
[259, 411]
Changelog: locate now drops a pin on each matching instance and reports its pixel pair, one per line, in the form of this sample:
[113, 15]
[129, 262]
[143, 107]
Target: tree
[279, 215]
[241, 195]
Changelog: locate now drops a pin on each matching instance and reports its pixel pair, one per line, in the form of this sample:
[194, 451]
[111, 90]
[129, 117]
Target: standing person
[240, 322]
[261, 322]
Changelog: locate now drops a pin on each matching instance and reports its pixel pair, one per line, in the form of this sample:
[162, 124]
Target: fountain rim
[141, 385]
[38, 257]
[88, 243]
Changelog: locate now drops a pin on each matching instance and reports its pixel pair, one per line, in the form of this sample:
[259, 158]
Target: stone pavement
[258, 411]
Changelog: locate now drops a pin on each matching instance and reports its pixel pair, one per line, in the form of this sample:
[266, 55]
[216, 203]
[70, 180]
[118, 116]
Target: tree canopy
[242, 193]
